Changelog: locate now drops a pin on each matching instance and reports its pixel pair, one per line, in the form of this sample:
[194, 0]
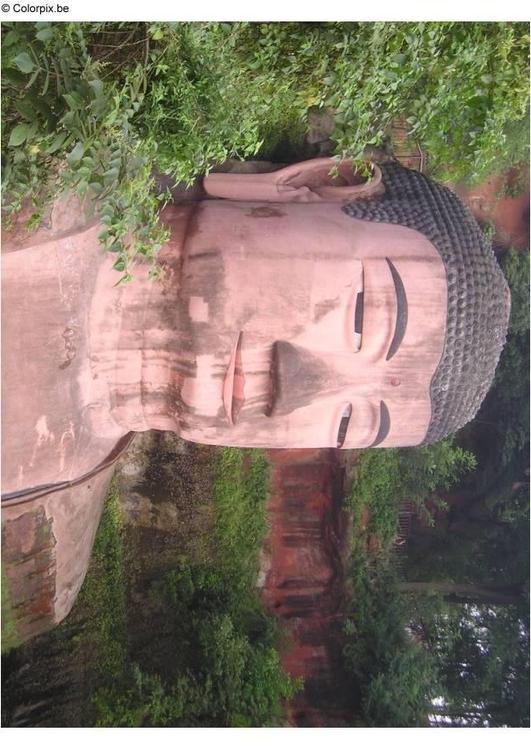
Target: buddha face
[307, 328]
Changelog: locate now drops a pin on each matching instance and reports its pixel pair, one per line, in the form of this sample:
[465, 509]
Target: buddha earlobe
[325, 180]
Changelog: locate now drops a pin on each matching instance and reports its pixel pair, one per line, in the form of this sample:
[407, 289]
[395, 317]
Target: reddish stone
[490, 203]
[304, 585]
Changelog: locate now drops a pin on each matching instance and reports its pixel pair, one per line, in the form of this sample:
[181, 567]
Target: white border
[266, 10]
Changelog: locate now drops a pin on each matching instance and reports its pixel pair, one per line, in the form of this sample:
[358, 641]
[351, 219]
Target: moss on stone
[10, 635]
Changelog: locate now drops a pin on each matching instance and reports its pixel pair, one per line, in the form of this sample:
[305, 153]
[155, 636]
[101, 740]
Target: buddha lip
[234, 382]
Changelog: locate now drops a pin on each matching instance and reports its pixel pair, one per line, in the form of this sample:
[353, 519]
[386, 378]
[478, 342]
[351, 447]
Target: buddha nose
[298, 377]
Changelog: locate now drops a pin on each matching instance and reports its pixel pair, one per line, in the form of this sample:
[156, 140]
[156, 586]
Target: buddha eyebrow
[385, 425]
[401, 311]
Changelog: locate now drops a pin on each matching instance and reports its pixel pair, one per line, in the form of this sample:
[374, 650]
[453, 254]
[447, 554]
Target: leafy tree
[386, 478]
[482, 656]
[393, 677]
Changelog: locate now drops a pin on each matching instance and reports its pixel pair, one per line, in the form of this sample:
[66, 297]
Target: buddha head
[323, 312]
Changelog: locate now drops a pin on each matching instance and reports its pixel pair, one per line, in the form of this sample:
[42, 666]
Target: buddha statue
[303, 307]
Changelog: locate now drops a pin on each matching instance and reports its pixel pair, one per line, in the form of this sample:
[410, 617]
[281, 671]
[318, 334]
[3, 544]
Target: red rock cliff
[304, 582]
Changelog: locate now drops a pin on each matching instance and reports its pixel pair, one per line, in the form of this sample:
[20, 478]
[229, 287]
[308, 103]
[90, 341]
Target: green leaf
[10, 38]
[75, 155]
[56, 143]
[32, 129]
[24, 62]
[73, 100]
[14, 76]
[97, 86]
[18, 135]
[126, 278]
[44, 35]
[399, 58]
[119, 265]
[26, 109]
[156, 33]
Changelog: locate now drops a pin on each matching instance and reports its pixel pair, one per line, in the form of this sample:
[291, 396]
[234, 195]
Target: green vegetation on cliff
[385, 479]
[99, 107]
[223, 668]
[393, 678]
[104, 592]
[10, 636]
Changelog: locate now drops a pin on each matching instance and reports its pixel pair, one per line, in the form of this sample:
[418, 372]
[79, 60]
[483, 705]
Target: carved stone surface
[278, 321]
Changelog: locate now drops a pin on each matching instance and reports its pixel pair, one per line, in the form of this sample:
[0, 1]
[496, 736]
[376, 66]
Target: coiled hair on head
[478, 294]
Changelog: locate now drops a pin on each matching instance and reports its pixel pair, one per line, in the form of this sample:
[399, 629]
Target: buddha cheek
[198, 309]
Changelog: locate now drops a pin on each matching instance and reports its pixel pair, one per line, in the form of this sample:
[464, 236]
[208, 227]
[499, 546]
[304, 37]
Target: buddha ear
[323, 180]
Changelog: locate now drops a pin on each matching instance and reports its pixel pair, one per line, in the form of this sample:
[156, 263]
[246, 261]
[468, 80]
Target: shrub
[97, 108]
[395, 676]
[385, 478]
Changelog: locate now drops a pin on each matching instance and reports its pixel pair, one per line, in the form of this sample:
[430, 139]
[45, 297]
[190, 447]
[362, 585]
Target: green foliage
[386, 478]
[431, 468]
[10, 636]
[482, 656]
[474, 547]
[104, 593]
[241, 491]
[395, 676]
[377, 486]
[240, 685]
[503, 448]
[454, 83]
[515, 265]
[67, 126]
[144, 698]
[97, 108]
[225, 667]
[222, 100]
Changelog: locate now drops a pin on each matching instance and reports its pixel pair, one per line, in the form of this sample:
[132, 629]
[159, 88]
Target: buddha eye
[358, 316]
[358, 321]
[343, 425]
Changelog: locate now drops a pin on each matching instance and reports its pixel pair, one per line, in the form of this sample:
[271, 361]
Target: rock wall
[303, 578]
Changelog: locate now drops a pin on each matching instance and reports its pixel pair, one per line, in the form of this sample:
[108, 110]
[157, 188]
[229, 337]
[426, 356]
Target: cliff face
[165, 513]
[165, 485]
[303, 578]
[46, 548]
